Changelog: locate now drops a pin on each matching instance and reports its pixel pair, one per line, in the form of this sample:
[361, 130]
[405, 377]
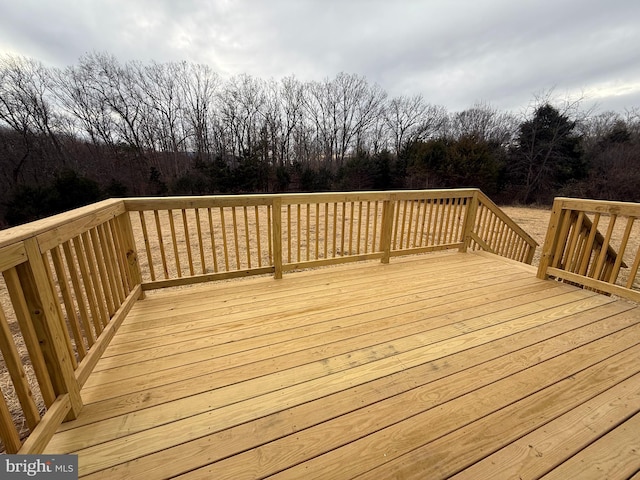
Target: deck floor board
[429, 366]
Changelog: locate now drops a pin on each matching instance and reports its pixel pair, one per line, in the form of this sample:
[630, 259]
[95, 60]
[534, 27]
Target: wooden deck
[429, 367]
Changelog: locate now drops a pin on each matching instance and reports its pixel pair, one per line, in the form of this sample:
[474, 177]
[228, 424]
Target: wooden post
[48, 322]
[387, 228]
[277, 237]
[130, 252]
[470, 221]
[550, 240]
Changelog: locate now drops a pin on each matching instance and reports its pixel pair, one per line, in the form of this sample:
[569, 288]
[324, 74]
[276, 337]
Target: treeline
[105, 128]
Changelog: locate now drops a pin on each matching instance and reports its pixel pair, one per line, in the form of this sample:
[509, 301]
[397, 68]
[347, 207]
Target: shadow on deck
[445, 364]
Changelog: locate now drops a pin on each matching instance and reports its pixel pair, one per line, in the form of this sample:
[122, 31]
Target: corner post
[551, 239]
[277, 237]
[470, 221]
[130, 252]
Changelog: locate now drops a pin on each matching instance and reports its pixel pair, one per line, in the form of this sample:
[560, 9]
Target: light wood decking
[430, 366]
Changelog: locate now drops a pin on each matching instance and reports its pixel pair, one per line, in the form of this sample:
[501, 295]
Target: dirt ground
[534, 221]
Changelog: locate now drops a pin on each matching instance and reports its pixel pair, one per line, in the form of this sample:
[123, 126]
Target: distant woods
[104, 128]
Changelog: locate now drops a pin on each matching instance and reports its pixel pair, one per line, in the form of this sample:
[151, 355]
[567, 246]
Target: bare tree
[77, 93]
[410, 119]
[199, 85]
[291, 98]
[241, 104]
[342, 110]
[484, 122]
[27, 108]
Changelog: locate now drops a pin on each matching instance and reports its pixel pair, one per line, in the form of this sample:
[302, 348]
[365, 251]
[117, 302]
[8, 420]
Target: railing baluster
[224, 240]
[119, 252]
[212, 235]
[246, 236]
[174, 241]
[103, 280]
[600, 265]
[308, 232]
[94, 277]
[335, 228]
[13, 364]
[236, 243]
[187, 240]
[277, 237]
[351, 217]
[93, 297]
[317, 229]
[163, 256]
[270, 220]
[69, 306]
[289, 234]
[366, 232]
[110, 268]
[8, 432]
[258, 235]
[447, 223]
[76, 284]
[326, 229]
[374, 237]
[147, 247]
[359, 228]
[634, 270]
[623, 246]
[203, 263]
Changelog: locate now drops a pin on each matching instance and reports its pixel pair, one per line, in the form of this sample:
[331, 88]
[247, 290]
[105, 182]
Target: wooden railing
[493, 231]
[68, 281]
[587, 243]
[196, 239]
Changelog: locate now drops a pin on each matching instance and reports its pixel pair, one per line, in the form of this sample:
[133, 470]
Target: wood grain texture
[435, 361]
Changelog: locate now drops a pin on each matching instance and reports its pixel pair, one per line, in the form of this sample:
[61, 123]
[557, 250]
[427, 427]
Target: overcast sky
[453, 52]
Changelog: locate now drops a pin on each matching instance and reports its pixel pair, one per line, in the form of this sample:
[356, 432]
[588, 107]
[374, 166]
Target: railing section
[69, 281]
[595, 244]
[493, 231]
[198, 239]
[195, 239]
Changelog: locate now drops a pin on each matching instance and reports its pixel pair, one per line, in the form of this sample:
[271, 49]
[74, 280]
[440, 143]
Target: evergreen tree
[546, 156]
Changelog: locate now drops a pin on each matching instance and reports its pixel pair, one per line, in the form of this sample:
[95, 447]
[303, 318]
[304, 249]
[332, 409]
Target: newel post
[387, 228]
[551, 239]
[130, 253]
[276, 231]
[48, 321]
[470, 221]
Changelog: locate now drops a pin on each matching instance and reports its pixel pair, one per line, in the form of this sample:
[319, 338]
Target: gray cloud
[454, 52]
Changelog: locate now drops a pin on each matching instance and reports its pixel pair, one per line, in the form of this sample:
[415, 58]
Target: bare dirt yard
[534, 221]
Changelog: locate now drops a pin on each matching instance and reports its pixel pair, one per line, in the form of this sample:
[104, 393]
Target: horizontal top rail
[47, 226]
[627, 209]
